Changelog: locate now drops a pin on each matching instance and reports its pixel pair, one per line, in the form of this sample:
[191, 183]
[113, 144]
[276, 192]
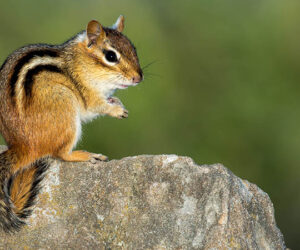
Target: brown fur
[21, 187]
[67, 83]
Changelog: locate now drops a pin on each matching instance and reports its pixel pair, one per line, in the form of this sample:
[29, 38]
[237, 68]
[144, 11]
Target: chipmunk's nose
[138, 78]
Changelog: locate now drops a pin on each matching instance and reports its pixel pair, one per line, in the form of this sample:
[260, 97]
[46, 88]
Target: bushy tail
[18, 191]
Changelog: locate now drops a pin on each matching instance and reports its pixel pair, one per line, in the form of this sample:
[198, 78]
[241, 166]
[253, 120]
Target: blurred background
[222, 84]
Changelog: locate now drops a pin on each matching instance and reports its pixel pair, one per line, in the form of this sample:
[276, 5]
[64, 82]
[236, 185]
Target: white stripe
[36, 61]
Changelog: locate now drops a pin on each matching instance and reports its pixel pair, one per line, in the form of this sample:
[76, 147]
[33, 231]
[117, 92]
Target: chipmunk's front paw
[124, 115]
[119, 112]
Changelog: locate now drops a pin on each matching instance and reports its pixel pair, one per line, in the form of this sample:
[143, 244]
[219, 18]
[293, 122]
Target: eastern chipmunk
[47, 91]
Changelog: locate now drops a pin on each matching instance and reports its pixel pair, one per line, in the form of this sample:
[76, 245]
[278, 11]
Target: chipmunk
[47, 91]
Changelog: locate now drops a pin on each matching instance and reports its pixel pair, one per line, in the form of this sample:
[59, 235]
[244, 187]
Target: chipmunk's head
[112, 58]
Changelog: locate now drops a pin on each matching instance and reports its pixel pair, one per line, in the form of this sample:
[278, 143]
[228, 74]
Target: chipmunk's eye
[110, 56]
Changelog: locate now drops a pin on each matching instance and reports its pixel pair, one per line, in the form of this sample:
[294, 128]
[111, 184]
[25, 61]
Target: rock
[147, 202]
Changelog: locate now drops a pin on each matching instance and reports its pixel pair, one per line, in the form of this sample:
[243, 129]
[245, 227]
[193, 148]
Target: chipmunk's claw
[98, 157]
[124, 115]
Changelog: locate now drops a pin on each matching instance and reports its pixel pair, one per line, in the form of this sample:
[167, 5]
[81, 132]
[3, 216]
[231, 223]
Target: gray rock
[147, 202]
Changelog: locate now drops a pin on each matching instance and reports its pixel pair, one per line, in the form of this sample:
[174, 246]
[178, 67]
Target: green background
[223, 86]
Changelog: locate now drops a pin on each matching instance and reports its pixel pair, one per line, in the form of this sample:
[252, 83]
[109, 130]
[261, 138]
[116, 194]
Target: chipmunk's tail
[18, 191]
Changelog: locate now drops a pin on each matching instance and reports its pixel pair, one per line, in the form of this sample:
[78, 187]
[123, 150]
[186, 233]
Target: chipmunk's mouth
[125, 86]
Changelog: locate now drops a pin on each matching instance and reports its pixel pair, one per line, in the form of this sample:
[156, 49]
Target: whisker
[147, 74]
[148, 65]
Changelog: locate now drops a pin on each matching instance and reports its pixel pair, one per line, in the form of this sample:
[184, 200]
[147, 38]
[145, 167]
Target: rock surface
[147, 202]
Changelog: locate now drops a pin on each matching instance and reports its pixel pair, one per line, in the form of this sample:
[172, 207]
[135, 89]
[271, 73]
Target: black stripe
[25, 59]
[28, 82]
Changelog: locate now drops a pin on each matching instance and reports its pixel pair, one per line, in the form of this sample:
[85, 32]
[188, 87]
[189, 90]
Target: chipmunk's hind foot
[98, 157]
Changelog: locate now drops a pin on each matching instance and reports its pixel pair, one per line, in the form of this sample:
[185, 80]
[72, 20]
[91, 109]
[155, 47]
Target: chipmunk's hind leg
[80, 155]
[65, 152]
[58, 124]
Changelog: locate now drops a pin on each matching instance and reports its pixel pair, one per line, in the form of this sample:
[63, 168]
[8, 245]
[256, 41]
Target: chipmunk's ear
[119, 24]
[95, 33]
